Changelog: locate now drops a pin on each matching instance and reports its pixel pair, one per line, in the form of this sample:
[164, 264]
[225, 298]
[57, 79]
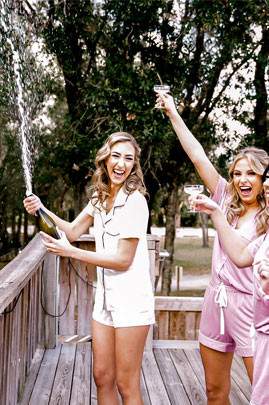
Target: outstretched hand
[202, 203]
[60, 247]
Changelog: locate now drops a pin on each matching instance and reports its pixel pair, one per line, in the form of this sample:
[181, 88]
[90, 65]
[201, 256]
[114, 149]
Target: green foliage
[106, 58]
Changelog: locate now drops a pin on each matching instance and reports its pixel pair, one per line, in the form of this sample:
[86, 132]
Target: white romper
[123, 298]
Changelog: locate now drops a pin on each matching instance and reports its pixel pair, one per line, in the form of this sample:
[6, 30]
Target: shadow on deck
[169, 376]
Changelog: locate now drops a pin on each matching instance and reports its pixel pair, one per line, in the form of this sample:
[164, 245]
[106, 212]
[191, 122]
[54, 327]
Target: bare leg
[104, 367]
[248, 361]
[217, 366]
[130, 344]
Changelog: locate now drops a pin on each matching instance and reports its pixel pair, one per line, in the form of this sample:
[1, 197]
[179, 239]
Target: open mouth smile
[245, 190]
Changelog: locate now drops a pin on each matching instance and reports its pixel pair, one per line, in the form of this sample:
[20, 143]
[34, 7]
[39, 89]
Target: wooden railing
[35, 284]
[24, 328]
[177, 318]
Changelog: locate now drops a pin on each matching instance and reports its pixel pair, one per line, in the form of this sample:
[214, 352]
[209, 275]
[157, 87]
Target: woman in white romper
[124, 301]
[227, 311]
[256, 253]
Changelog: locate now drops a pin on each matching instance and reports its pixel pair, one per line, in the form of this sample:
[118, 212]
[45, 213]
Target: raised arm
[189, 143]
[234, 245]
[72, 229]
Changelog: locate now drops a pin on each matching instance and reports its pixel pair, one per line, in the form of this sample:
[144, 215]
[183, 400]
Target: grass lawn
[192, 256]
[195, 260]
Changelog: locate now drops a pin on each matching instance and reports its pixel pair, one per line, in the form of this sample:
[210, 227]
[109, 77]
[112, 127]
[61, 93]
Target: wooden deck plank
[154, 383]
[81, 387]
[192, 385]
[195, 361]
[31, 379]
[144, 391]
[169, 377]
[173, 383]
[44, 382]
[61, 390]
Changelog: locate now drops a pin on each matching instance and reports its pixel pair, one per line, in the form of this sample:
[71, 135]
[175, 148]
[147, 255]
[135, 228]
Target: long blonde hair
[100, 188]
[258, 160]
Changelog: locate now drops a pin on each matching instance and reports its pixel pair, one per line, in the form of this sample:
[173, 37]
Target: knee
[103, 377]
[217, 392]
[127, 385]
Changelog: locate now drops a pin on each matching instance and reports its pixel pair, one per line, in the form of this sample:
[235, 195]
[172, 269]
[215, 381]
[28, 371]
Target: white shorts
[122, 318]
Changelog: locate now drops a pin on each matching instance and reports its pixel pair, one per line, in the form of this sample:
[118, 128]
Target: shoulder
[137, 198]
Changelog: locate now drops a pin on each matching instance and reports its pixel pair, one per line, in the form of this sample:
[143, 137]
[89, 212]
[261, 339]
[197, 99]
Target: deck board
[173, 383]
[81, 387]
[192, 385]
[170, 376]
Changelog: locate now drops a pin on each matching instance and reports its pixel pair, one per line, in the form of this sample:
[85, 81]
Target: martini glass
[161, 88]
[193, 189]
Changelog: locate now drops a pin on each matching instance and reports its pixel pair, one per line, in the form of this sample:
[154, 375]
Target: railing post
[154, 251]
[50, 299]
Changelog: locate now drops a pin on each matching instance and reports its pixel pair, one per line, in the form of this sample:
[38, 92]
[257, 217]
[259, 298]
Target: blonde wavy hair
[258, 160]
[100, 188]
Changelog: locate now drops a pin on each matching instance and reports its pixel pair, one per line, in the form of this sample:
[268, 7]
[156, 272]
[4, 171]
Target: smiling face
[247, 183]
[120, 163]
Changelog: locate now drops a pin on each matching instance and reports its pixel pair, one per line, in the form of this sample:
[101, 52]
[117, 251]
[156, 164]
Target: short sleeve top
[223, 269]
[128, 218]
[261, 300]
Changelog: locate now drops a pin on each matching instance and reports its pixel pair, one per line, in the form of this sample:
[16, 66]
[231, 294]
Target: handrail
[15, 275]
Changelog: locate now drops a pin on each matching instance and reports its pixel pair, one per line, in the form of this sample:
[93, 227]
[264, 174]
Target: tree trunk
[170, 231]
[18, 230]
[80, 198]
[4, 237]
[25, 229]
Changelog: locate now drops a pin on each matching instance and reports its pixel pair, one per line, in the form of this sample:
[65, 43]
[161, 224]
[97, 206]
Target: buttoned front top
[261, 300]
[223, 269]
[131, 289]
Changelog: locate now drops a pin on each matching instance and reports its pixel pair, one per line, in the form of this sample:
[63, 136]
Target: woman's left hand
[60, 247]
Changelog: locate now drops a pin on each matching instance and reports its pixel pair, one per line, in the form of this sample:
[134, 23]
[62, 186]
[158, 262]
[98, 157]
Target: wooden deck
[169, 376]
[44, 301]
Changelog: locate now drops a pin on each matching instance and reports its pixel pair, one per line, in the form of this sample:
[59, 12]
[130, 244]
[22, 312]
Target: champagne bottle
[46, 224]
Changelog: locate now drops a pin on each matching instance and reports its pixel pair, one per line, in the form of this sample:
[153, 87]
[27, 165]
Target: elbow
[124, 264]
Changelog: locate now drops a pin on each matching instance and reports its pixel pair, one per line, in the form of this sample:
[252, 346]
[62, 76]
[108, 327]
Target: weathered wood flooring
[170, 376]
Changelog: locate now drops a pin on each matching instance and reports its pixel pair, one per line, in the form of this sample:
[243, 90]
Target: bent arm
[233, 244]
[120, 260]
[191, 145]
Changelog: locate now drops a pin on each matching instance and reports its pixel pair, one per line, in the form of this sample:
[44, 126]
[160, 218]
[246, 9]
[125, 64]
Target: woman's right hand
[202, 203]
[32, 204]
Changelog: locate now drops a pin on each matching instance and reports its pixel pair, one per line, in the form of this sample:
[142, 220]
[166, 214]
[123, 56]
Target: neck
[251, 208]
[114, 190]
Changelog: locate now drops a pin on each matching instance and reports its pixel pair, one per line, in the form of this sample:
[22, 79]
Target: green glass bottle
[46, 224]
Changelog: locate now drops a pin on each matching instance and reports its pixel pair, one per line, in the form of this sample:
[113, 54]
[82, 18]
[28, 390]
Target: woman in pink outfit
[228, 303]
[256, 253]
